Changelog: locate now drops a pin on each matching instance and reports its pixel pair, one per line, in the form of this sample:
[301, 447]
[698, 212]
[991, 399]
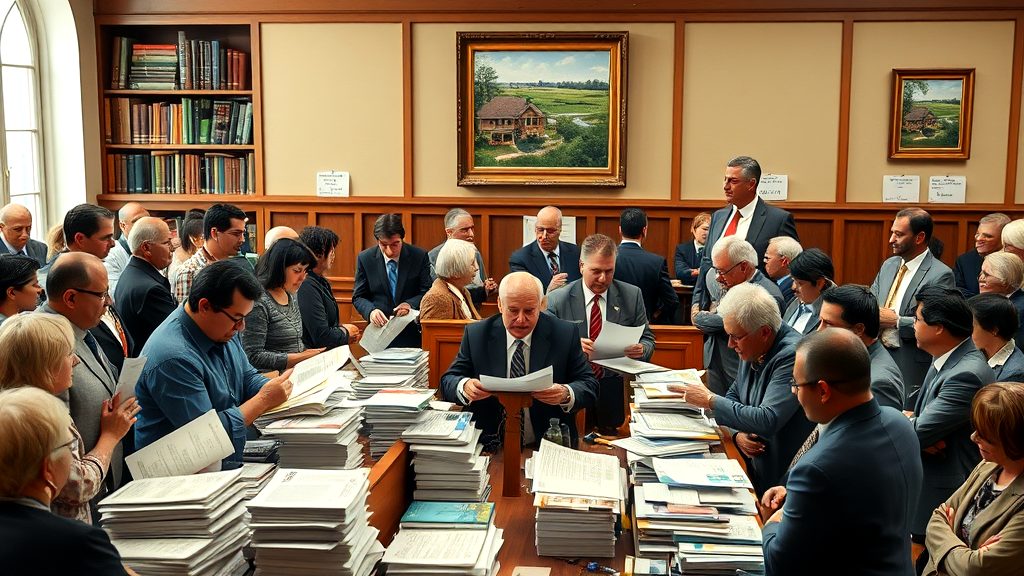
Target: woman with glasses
[1002, 273]
[812, 271]
[995, 323]
[273, 331]
[37, 350]
[979, 529]
[448, 298]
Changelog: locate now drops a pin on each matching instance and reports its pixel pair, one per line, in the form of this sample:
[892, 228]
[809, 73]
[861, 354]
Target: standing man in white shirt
[120, 254]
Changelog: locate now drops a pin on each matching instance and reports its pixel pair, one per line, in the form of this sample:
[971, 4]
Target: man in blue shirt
[196, 362]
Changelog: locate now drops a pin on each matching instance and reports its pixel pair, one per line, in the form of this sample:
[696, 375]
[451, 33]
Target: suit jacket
[440, 304]
[943, 413]
[865, 471]
[476, 291]
[531, 259]
[111, 343]
[1004, 516]
[1012, 370]
[761, 402]
[687, 259]
[767, 222]
[965, 272]
[785, 285]
[29, 534]
[648, 272]
[624, 306]
[143, 299]
[812, 322]
[319, 310]
[35, 249]
[1017, 297]
[554, 343]
[886, 379]
[371, 289]
[913, 362]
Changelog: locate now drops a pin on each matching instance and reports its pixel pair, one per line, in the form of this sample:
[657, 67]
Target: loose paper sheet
[901, 188]
[773, 187]
[531, 382]
[562, 470]
[613, 339]
[312, 372]
[376, 338]
[189, 449]
[130, 372]
[947, 189]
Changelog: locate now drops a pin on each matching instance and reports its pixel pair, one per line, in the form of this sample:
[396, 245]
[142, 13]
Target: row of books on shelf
[191, 121]
[186, 65]
[166, 172]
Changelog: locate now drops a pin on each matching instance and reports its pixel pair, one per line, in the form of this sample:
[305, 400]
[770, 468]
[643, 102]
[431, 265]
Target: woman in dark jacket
[320, 326]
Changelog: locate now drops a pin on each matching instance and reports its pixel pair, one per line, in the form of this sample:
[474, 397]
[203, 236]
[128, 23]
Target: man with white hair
[144, 299]
[16, 231]
[735, 263]
[777, 257]
[459, 225]
[517, 342]
[1013, 238]
[278, 233]
[119, 255]
[987, 239]
[760, 405]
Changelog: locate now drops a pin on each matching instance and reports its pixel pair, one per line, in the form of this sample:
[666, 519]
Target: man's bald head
[13, 210]
[520, 301]
[838, 357]
[128, 215]
[548, 227]
[278, 233]
[16, 225]
[71, 271]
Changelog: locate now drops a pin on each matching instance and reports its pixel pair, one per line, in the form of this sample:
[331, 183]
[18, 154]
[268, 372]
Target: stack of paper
[675, 425]
[398, 361]
[420, 551]
[367, 386]
[447, 461]
[255, 477]
[179, 524]
[712, 559]
[314, 522]
[389, 412]
[578, 496]
[327, 442]
[317, 386]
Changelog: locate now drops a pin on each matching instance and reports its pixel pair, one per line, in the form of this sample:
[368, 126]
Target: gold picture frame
[932, 111]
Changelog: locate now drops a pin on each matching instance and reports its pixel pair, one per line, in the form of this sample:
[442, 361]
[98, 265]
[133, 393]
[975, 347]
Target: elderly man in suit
[987, 239]
[864, 470]
[552, 261]
[16, 231]
[759, 406]
[942, 407]
[391, 279]
[777, 257]
[518, 341]
[459, 225]
[645, 270]
[746, 216]
[911, 268]
[121, 253]
[144, 298]
[594, 300]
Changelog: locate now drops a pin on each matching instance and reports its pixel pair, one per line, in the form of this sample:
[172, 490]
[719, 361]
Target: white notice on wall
[947, 189]
[568, 229]
[901, 188]
[774, 187]
[332, 184]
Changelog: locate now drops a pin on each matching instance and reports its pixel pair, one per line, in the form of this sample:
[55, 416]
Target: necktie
[90, 341]
[731, 228]
[517, 369]
[812, 439]
[890, 337]
[800, 312]
[553, 258]
[121, 337]
[595, 331]
[393, 278]
[889, 300]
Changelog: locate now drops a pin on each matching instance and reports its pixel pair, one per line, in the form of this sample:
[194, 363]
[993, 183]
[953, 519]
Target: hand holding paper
[614, 339]
[531, 382]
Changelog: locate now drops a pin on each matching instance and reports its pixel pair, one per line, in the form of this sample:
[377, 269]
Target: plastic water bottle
[554, 433]
[566, 436]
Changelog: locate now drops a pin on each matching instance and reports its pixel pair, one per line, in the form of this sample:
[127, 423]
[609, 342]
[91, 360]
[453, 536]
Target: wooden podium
[513, 403]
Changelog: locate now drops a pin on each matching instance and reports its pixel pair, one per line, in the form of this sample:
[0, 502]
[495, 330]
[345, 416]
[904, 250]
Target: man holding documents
[196, 362]
[849, 499]
[597, 303]
[519, 342]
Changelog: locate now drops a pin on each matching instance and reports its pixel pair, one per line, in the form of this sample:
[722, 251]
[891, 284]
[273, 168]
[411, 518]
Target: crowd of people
[869, 417]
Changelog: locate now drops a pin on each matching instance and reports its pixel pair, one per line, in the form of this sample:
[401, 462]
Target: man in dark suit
[552, 261]
[645, 270]
[391, 279]
[987, 239]
[590, 302]
[777, 257]
[863, 470]
[459, 224]
[143, 298]
[942, 407]
[120, 254]
[519, 341]
[911, 268]
[15, 232]
[746, 216]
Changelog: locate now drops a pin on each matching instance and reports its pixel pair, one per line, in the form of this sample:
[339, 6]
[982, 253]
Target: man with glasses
[121, 253]
[458, 224]
[553, 262]
[143, 298]
[760, 405]
[223, 233]
[196, 363]
[988, 239]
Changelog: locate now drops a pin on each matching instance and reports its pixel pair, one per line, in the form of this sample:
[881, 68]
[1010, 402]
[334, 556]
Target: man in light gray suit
[593, 301]
[942, 407]
[459, 224]
[896, 287]
[15, 231]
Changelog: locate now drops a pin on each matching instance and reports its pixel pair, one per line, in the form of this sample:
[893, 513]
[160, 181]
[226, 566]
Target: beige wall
[332, 100]
[648, 109]
[770, 91]
[878, 47]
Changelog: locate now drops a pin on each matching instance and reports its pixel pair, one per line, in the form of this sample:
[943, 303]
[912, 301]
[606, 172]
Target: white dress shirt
[746, 215]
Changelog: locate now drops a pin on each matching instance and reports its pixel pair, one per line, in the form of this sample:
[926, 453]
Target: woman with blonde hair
[448, 298]
[38, 350]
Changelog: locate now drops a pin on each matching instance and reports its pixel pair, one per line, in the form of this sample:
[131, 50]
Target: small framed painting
[931, 114]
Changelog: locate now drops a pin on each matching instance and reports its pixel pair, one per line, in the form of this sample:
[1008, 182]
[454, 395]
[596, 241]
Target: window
[20, 148]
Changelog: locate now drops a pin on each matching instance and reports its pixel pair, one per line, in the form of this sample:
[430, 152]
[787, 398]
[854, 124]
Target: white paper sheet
[130, 372]
[189, 449]
[624, 365]
[532, 382]
[376, 338]
[947, 189]
[613, 340]
[561, 470]
[311, 372]
[901, 188]
[773, 187]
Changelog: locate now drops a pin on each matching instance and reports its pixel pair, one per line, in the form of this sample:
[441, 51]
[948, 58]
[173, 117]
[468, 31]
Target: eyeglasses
[64, 445]
[737, 339]
[237, 321]
[794, 385]
[75, 360]
[105, 295]
[547, 231]
[719, 272]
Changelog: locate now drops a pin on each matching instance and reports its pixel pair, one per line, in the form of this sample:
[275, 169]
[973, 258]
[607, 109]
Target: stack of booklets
[318, 386]
[716, 559]
[398, 361]
[255, 476]
[314, 522]
[367, 386]
[448, 464]
[180, 524]
[389, 412]
[330, 441]
[578, 496]
[446, 538]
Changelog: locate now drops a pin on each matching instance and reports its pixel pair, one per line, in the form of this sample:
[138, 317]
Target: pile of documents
[389, 412]
[367, 386]
[410, 362]
[314, 522]
[469, 552]
[327, 442]
[578, 496]
[180, 524]
[447, 462]
[255, 476]
[318, 385]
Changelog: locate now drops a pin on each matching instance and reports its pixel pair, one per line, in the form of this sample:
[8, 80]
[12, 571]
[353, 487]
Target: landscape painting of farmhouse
[542, 109]
[932, 112]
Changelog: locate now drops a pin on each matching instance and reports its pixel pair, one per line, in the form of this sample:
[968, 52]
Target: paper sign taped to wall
[947, 189]
[901, 188]
[773, 187]
[332, 184]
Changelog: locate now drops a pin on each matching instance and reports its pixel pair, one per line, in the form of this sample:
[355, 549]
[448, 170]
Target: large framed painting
[542, 108]
[931, 114]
